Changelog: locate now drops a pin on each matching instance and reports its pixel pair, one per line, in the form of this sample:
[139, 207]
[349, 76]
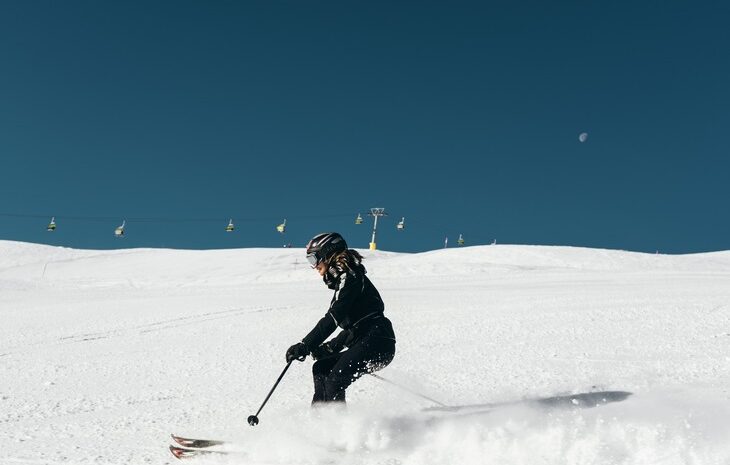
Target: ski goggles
[313, 259]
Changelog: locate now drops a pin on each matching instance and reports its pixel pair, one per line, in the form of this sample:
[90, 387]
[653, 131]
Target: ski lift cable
[133, 219]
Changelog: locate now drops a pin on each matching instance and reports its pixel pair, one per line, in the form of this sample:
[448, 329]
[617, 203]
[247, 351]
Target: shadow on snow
[572, 401]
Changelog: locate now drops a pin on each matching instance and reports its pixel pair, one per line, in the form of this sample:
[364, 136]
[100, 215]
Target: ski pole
[253, 420]
[408, 389]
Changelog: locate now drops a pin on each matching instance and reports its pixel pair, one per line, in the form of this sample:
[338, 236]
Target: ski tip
[196, 443]
[177, 452]
[185, 453]
[180, 440]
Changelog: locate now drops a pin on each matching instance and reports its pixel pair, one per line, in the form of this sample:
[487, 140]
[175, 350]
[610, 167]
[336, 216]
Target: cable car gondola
[282, 227]
[52, 225]
[119, 232]
[401, 224]
[230, 226]
[358, 220]
[460, 241]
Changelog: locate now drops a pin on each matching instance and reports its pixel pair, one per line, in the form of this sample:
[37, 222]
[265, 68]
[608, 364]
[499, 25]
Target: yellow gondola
[358, 220]
[460, 241]
[52, 225]
[282, 227]
[119, 232]
[401, 224]
[230, 226]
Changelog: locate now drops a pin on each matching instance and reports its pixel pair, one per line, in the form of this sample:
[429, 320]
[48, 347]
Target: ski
[196, 443]
[185, 453]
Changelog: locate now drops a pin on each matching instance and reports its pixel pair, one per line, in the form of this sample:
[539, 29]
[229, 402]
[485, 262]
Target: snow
[104, 353]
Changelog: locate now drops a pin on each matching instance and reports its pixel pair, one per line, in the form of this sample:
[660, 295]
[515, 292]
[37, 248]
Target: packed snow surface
[548, 355]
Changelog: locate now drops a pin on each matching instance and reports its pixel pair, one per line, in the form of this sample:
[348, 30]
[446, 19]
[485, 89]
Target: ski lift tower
[375, 213]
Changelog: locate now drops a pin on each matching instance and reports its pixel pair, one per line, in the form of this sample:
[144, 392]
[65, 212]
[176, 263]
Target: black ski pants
[332, 375]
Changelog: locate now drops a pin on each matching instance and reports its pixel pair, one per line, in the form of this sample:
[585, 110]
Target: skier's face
[321, 268]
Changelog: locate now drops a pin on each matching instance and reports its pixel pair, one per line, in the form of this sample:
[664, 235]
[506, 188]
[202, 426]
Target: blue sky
[461, 116]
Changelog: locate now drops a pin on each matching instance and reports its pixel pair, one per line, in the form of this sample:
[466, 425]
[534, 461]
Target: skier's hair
[347, 260]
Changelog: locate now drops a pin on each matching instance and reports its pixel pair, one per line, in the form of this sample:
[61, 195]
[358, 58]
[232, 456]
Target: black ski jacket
[356, 307]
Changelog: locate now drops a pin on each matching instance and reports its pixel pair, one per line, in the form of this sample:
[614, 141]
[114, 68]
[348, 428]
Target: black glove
[323, 351]
[297, 352]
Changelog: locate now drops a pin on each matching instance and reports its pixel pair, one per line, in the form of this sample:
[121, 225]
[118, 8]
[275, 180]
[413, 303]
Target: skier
[357, 308]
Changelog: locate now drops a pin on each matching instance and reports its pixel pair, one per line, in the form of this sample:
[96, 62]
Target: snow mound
[156, 267]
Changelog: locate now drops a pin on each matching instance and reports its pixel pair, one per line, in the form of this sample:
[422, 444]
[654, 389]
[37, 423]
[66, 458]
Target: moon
[583, 136]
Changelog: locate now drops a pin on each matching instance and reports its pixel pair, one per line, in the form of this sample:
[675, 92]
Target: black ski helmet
[323, 246]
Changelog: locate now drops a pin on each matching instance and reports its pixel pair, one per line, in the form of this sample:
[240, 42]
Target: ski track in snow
[155, 327]
[549, 355]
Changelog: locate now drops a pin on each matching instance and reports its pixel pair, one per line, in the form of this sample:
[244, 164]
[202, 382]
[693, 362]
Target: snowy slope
[104, 353]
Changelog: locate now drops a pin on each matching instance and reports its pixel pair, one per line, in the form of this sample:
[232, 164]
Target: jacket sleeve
[349, 290]
[324, 327]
